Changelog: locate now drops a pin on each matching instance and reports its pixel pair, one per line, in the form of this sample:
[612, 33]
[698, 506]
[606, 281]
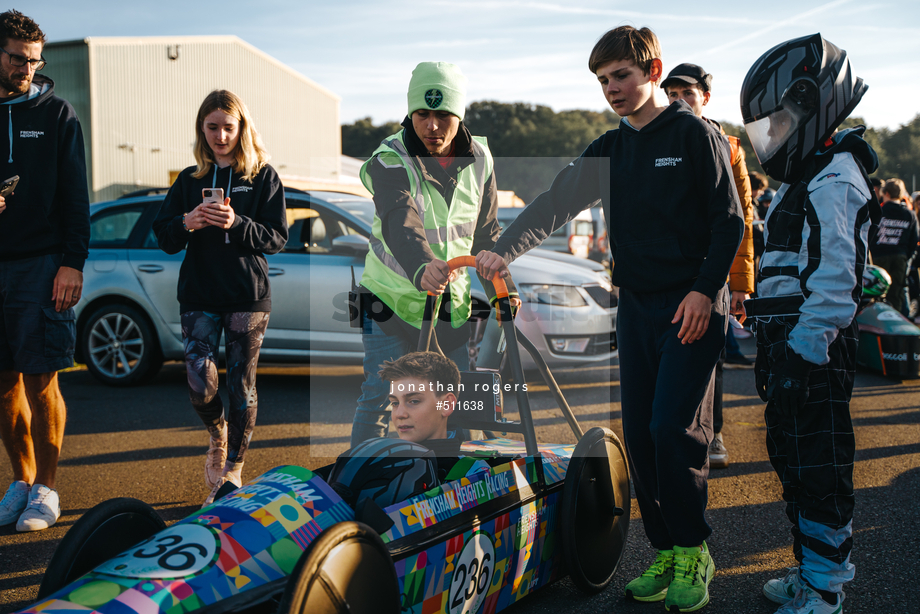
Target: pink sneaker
[232, 473]
[217, 455]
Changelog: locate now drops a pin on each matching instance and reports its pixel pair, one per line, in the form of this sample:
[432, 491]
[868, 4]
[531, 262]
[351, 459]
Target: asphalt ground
[147, 443]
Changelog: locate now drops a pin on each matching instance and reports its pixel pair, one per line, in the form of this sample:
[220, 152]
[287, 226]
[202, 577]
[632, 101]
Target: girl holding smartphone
[227, 212]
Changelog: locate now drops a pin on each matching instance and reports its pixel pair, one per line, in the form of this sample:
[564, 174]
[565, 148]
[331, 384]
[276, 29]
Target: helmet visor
[769, 133]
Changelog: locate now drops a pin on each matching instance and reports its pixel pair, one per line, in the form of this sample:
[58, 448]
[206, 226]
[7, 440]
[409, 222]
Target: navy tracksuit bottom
[666, 397]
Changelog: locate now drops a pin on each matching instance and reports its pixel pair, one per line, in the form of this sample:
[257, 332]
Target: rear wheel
[595, 510]
[120, 347]
[106, 530]
[347, 569]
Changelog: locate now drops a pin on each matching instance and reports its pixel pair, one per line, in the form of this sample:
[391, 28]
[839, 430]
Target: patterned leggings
[201, 332]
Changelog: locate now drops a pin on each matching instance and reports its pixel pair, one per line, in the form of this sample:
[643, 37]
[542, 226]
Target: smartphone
[9, 185]
[212, 195]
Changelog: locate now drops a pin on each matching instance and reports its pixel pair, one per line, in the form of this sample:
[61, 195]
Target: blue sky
[521, 51]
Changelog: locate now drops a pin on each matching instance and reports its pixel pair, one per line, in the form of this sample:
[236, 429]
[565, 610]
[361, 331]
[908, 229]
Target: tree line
[531, 143]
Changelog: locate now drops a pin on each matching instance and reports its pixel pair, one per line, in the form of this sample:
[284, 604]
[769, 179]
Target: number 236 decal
[472, 574]
[180, 550]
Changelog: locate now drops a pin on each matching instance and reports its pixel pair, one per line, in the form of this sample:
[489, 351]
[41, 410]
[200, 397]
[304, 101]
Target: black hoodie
[48, 213]
[225, 270]
[668, 193]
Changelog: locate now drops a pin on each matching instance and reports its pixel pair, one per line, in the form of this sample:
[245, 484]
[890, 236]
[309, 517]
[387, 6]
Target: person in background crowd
[809, 289]
[435, 198]
[894, 245]
[672, 252]
[223, 282]
[905, 198]
[693, 85]
[44, 242]
[877, 187]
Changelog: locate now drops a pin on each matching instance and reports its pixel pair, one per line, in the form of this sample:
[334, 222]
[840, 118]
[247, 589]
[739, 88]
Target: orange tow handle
[501, 289]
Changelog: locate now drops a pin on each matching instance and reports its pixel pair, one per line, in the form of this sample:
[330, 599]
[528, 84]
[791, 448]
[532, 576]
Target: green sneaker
[652, 585]
[693, 570]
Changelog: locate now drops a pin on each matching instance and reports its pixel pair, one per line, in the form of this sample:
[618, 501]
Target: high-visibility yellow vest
[449, 231]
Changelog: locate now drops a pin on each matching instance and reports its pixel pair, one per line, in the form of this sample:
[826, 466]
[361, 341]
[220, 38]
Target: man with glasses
[44, 239]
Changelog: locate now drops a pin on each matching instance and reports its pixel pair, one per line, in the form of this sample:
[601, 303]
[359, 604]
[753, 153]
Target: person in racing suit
[816, 241]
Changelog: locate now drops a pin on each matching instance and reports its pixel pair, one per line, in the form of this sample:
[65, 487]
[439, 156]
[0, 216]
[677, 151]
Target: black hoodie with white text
[673, 212]
[48, 212]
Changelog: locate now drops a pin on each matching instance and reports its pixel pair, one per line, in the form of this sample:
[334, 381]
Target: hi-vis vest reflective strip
[449, 231]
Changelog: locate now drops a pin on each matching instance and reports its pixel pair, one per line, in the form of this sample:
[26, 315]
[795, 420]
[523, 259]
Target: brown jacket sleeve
[741, 275]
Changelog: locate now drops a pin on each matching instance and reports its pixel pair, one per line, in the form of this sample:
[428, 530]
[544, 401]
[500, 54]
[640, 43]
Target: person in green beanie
[436, 198]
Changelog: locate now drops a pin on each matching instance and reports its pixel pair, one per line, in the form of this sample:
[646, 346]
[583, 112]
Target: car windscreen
[112, 227]
[361, 209]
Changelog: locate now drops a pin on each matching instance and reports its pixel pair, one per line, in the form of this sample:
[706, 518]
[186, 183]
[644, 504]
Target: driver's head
[690, 83]
[437, 102]
[423, 393]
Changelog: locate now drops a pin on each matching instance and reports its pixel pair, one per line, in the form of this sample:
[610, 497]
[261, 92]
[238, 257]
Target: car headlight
[604, 283]
[552, 294]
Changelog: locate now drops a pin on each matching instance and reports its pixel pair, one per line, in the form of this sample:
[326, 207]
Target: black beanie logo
[434, 98]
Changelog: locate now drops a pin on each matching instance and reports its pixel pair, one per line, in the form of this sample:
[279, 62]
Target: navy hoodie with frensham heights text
[225, 271]
[48, 212]
[673, 212]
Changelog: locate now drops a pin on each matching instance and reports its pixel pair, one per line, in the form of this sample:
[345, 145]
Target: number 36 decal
[180, 550]
[472, 574]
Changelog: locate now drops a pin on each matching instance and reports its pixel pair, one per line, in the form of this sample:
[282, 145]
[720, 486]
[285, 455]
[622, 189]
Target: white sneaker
[718, 454]
[807, 601]
[14, 502]
[43, 510]
[216, 457]
[782, 590]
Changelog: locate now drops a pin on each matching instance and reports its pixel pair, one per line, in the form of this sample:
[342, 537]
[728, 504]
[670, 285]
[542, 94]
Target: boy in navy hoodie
[672, 249]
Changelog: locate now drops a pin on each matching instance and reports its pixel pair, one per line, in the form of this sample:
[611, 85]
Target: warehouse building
[137, 99]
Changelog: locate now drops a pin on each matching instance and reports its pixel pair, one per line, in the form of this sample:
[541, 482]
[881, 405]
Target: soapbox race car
[287, 541]
[889, 343]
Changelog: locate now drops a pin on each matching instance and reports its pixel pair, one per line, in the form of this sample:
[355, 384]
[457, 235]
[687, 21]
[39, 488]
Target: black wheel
[119, 346]
[106, 530]
[347, 569]
[595, 510]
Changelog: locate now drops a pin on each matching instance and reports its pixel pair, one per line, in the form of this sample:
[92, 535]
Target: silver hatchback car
[128, 319]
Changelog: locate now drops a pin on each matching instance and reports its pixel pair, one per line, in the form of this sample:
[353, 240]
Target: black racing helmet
[385, 470]
[792, 100]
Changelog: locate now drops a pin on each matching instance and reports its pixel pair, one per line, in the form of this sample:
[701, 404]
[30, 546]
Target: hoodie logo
[30, 134]
[434, 98]
[241, 188]
[829, 176]
[667, 161]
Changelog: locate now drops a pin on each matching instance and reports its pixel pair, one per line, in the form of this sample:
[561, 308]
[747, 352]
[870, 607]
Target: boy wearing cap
[693, 85]
[672, 248]
[435, 198]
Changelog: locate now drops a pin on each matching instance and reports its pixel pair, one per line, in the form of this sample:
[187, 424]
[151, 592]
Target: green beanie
[437, 86]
